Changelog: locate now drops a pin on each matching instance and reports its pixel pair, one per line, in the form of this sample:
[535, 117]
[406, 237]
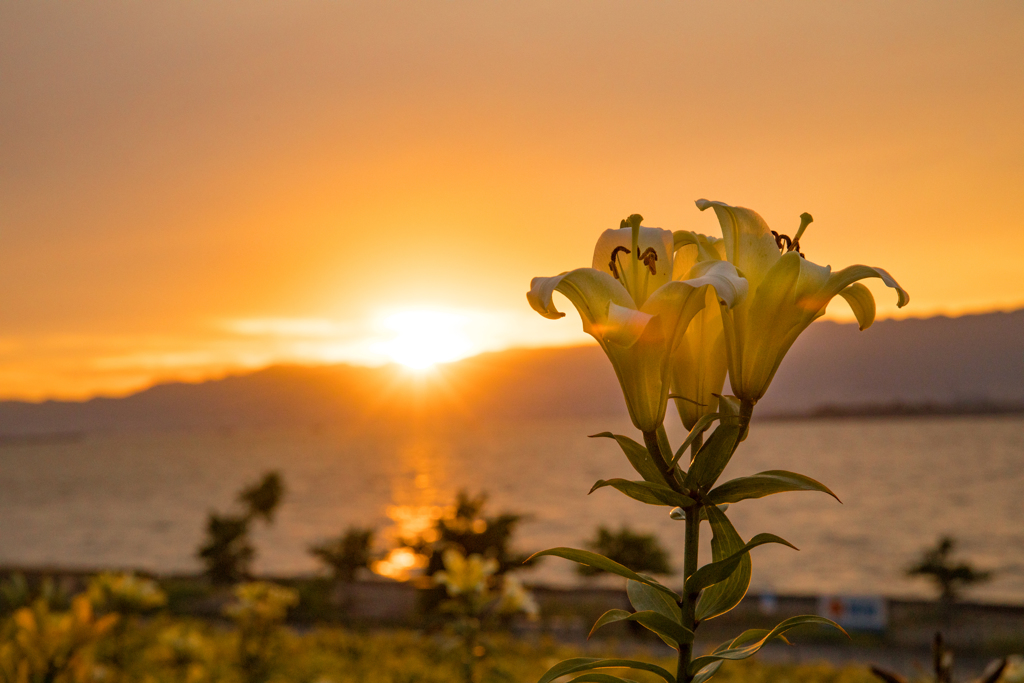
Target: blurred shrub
[639, 552]
[259, 610]
[42, 646]
[125, 593]
[346, 555]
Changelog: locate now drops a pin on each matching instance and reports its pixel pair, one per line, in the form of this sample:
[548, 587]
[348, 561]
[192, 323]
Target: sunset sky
[192, 188]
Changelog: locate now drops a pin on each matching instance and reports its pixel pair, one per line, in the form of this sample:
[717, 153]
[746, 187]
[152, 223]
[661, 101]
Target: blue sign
[855, 612]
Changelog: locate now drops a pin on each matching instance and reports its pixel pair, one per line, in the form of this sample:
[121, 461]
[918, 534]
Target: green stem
[657, 445]
[688, 603]
[661, 456]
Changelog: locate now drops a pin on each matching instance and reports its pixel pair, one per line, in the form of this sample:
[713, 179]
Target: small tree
[262, 498]
[639, 552]
[949, 576]
[228, 553]
[347, 554]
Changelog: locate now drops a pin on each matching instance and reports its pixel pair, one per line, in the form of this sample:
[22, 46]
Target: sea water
[141, 500]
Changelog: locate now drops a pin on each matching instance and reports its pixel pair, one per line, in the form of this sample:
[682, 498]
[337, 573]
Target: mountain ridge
[973, 360]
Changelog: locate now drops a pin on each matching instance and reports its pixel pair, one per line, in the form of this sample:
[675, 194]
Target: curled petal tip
[703, 204]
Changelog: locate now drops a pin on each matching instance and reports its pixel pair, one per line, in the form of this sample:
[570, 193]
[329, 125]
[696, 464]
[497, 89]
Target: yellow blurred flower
[465, 575]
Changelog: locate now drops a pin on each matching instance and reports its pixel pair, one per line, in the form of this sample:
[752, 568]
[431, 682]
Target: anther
[650, 258]
[782, 239]
[612, 265]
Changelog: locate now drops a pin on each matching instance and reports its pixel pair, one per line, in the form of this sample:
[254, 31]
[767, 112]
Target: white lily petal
[540, 296]
[636, 275]
[862, 302]
[749, 244]
[699, 364]
[589, 290]
[723, 276]
[624, 326]
[774, 313]
[840, 280]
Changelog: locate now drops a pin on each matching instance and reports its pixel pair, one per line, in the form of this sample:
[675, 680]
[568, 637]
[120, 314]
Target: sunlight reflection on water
[141, 500]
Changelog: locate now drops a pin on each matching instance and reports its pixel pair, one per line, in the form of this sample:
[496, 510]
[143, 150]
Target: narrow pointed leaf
[713, 456]
[646, 492]
[744, 651]
[647, 599]
[602, 678]
[702, 424]
[707, 672]
[644, 597]
[719, 571]
[765, 484]
[672, 632]
[637, 454]
[603, 563]
[724, 595]
[578, 664]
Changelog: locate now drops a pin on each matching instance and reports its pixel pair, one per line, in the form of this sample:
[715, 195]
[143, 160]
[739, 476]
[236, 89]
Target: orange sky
[187, 188]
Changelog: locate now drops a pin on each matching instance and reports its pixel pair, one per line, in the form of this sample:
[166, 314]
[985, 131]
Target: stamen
[779, 239]
[650, 258]
[612, 265]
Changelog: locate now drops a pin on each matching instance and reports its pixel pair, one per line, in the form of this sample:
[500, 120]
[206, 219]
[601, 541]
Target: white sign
[855, 612]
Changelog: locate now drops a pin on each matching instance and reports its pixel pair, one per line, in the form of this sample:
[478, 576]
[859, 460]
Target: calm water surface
[141, 500]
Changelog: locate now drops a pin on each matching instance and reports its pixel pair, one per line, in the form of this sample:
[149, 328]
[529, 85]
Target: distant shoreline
[900, 410]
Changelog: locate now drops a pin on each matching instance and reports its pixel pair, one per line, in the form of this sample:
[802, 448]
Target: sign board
[855, 612]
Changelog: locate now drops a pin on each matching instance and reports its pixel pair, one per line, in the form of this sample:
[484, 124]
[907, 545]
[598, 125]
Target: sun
[420, 339]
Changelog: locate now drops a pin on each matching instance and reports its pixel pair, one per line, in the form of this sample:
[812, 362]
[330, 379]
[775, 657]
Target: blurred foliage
[189, 651]
[639, 552]
[262, 498]
[39, 645]
[346, 555]
[125, 593]
[228, 552]
[467, 529]
[949, 576]
[259, 611]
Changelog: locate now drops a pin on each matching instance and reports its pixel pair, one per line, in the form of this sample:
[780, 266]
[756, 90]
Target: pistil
[793, 244]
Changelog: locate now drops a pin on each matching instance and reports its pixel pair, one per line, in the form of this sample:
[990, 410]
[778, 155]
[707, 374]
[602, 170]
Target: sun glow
[423, 338]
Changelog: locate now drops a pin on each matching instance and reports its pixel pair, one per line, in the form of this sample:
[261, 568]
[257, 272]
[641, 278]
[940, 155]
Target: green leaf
[724, 595]
[646, 492]
[601, 562]
[672, 632]
[744, 651]
[644, 597]
[602, 678]
[707, 672]
[719, 571]
[765, 484]
[637, 454]
[713, 456]
[702, 424]
[647, 599]
[578, 664]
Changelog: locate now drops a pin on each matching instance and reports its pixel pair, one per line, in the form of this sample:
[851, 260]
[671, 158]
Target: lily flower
[465, 575]
[787, 293]
[634, 309]
[699, 362]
